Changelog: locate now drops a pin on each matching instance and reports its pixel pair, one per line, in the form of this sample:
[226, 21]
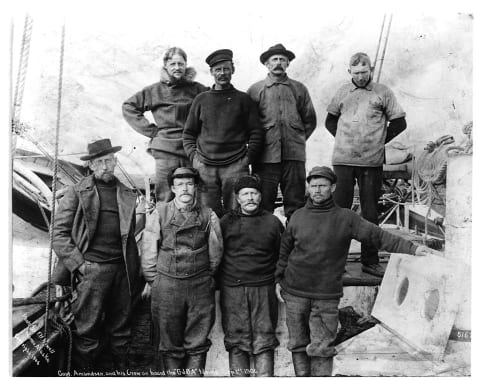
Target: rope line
[55, 174]
[22, 68]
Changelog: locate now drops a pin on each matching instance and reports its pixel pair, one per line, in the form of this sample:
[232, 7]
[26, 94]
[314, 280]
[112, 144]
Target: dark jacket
[315, 245]
[251, 245]
[288, 118]
[75, 224]
[222, 127]
[169, 103]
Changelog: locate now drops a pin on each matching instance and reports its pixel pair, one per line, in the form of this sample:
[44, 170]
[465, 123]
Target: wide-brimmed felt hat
[183, 172]
[322, 172]
[277, 49]
[99, 148]
[219, 56]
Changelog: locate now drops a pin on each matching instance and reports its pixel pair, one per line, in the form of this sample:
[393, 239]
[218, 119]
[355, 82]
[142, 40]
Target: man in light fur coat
[169, 101]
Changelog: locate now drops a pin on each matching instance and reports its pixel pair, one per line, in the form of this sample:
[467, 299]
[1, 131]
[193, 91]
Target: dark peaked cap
[277, 49]
[219, 56]
[322, 172]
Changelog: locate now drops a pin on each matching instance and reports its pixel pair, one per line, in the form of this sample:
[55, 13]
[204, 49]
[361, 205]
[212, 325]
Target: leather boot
[239, 362]
[173, 366]
[301, 364]
[264, 364]
[195, 366]
[321, 366]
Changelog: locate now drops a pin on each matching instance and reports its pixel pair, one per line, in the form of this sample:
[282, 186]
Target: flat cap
[322, 172]
[247, 181]
[219, 56]
[183, 172]
[277, 49]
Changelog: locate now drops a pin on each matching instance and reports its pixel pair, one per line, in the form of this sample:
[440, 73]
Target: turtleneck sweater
[315, 244]
[222, 126]
[106, 244]
[251, 244]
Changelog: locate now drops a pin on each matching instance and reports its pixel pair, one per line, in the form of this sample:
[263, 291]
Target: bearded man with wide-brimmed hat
[94, 240]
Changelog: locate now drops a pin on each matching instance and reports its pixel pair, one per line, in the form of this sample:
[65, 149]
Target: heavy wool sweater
[251, 245]
[315, 245]
[222, 126]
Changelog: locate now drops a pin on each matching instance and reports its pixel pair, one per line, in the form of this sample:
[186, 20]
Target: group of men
[213, 224]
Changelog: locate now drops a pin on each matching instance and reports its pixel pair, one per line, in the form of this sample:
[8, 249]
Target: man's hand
[277, 292]
[147, 291]
[424, 250]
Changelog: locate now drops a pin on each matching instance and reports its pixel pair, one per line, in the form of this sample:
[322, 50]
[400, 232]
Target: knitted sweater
[222, 126]
[251, 245]
[315, 245]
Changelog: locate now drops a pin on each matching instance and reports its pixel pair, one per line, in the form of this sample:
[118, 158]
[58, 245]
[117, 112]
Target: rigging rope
[22, 68]
[55, 174]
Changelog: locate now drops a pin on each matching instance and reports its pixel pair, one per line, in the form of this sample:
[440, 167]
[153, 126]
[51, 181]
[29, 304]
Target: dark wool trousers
[183, 313]
[369, 181]
[163, 165]
[291, 176]
[312, 324]
[102, 309]
[216, 188]
[249, 317]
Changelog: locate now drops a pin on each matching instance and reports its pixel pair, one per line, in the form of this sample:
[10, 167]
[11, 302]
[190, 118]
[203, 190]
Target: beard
[106, 177]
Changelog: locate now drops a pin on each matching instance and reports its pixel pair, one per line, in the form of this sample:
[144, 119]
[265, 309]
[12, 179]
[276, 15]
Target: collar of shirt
[269, 81]
[368, 87]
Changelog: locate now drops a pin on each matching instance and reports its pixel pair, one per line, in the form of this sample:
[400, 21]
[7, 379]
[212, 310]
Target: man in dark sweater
[308, 277]
[222, 135]
[251, 239]
[94, 239]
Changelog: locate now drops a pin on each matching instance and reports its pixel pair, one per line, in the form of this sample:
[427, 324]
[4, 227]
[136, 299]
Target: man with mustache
[313, 254]
[180, 267]
[222, 135]
[288, 119]
[94, 239]
[251, 239]
[169, 101]
[357, 117]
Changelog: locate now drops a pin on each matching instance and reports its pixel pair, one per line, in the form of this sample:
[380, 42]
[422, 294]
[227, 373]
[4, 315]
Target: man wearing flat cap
[251, 239]
[180, 267]
[222, 135]
[94, 240]
[313, 254]
[288, 119]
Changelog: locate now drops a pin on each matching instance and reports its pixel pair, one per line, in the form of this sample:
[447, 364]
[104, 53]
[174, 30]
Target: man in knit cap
[313, 254]
[251, 238]
[288, 119]
[222, 135]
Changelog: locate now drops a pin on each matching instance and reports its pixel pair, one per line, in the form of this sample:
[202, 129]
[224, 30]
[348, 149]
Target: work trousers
[249, 317]
[291, 176]
[103, 308]
[164, 163]
[369, 181]
[183, 313]
[217, 184]
[312, 324]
